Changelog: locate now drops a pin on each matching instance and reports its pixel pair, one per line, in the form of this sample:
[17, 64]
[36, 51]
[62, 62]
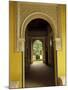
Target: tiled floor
[40, 75]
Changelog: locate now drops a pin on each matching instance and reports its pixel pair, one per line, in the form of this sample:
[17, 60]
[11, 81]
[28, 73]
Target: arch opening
[39, 30]
[37, 54]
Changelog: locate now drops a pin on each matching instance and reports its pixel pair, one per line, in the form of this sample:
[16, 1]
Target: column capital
[20, 44]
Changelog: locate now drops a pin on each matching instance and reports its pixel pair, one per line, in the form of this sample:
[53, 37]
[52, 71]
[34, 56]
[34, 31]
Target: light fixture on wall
[50, 42]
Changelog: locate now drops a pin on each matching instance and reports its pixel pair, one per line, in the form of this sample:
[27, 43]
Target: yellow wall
[14, 56]
[62, 53]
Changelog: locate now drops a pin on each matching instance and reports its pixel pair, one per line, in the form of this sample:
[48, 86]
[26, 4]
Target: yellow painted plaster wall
[61, 56]
[14, 56]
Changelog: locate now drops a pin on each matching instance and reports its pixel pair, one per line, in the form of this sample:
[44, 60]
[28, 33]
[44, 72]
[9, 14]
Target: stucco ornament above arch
[36, 15]
[27, 20]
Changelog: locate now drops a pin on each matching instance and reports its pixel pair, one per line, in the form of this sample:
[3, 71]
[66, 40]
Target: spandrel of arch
[36, 15]
[27, 20]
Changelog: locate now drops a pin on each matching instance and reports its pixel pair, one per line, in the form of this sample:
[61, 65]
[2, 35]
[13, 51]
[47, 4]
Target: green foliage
[37, 47]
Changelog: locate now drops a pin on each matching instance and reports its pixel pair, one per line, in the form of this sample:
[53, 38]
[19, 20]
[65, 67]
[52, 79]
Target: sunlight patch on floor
[37, 62]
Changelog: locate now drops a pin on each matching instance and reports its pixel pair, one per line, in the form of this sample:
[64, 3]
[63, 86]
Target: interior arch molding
[36, 15]
[28, 19]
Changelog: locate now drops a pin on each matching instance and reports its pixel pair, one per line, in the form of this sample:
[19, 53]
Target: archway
[21, 39]
[40, 29]
[37, 51]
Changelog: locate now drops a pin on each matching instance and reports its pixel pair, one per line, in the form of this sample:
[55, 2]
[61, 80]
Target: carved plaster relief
[21, 27]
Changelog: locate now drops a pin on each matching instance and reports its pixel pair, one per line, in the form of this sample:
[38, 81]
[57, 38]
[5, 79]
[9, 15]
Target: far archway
[37, 51]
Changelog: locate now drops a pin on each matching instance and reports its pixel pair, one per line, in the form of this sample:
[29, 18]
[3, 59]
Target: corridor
[39, 42]
[40, 75]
